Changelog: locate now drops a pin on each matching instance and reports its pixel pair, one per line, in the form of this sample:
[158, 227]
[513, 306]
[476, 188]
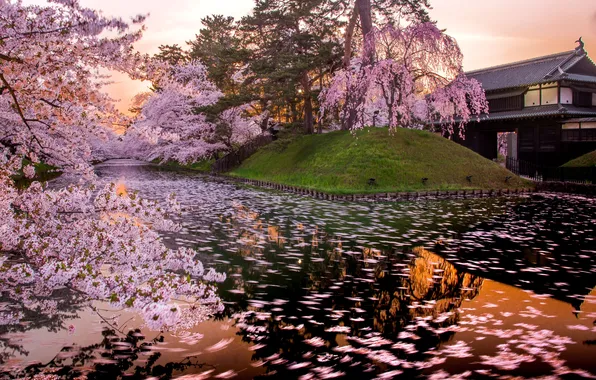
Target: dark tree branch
[50, 103]
[10, 59]
[18, 108]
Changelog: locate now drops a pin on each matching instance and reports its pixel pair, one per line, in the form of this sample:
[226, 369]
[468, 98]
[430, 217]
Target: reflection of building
[373, 306]
[429, 286]
[549, 102]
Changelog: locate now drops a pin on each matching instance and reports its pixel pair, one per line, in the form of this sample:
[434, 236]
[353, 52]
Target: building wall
[566, 95]
[537, 141]
[512, 145]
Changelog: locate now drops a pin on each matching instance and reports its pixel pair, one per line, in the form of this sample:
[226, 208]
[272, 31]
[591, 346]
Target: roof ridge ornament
[581, 44]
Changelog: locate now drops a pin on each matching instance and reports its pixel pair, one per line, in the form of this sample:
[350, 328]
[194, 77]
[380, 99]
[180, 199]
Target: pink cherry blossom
[29, 171]
[415, 81]
[171, 126]
[90, 240]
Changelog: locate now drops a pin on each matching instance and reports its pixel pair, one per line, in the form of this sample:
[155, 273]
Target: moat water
[494, 288]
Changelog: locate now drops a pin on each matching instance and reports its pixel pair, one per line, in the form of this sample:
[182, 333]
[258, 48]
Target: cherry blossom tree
[169, 120]
[415, 79]
[90, 240]
[107, 146]
[177, 121]
[236, 127]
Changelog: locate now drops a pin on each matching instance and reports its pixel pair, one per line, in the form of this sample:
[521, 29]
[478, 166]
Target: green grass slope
[339, 162]
[203, 166]
[43, 173]
[586, 160]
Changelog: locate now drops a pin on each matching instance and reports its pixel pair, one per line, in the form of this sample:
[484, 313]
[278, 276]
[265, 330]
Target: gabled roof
[533, 71]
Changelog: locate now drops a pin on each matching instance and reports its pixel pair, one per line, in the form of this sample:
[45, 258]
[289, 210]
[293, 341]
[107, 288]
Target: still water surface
[491, 288]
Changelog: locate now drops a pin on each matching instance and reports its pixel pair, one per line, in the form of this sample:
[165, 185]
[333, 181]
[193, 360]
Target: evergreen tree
[218, 47]
[294, 46]
[172, 54]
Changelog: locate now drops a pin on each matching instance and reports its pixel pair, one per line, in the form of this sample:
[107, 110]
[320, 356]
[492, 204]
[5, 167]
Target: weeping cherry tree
[407, 77]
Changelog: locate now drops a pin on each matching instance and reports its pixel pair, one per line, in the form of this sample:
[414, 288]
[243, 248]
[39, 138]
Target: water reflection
[484, 287]
[115, 355]
[547, 245]
[349, 320]
[52, 315]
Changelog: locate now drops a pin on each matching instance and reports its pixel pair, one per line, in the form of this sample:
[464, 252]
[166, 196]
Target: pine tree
[294, 45]
[218, 47]
[172, 54]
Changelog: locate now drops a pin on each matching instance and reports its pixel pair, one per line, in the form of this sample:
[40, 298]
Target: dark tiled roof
[582, 120]
[501, 94]
[579, 78]
[583, 89]
[526, 73]
[540, 111]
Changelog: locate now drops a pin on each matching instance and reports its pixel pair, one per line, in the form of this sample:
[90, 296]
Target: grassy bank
[203, 166]
[43, 173]
[341, 163]
[587, 160]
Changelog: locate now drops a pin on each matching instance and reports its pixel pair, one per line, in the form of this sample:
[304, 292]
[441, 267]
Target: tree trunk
[365, 12]
[308, 118]
[265, 121]
[294, 110]
[308, 109]
[362, 9]
[349, 36]
[351, 119]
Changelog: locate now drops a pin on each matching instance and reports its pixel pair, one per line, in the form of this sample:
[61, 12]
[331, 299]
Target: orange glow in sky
[489, 32]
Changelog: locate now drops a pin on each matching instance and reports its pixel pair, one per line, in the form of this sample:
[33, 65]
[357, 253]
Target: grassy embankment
[203, 166]
[43, 173]
[341, 163]
[587, 160]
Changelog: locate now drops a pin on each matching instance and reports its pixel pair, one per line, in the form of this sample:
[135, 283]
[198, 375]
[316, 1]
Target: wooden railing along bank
[234, 159]
[540, 173]
[386, 197]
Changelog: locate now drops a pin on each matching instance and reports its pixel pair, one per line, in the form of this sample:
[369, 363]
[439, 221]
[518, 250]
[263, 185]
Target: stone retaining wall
[386, 197]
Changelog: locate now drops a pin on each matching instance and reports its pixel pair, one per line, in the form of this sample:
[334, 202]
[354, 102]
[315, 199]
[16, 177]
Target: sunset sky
[490, 32]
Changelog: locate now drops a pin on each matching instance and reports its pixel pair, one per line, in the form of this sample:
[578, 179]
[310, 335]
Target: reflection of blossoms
[222, 344]
[506, 360]
[394, 330]
[423, 295]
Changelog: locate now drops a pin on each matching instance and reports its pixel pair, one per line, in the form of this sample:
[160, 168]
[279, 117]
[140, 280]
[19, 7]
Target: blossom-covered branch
[173, 124]
[88, 240]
